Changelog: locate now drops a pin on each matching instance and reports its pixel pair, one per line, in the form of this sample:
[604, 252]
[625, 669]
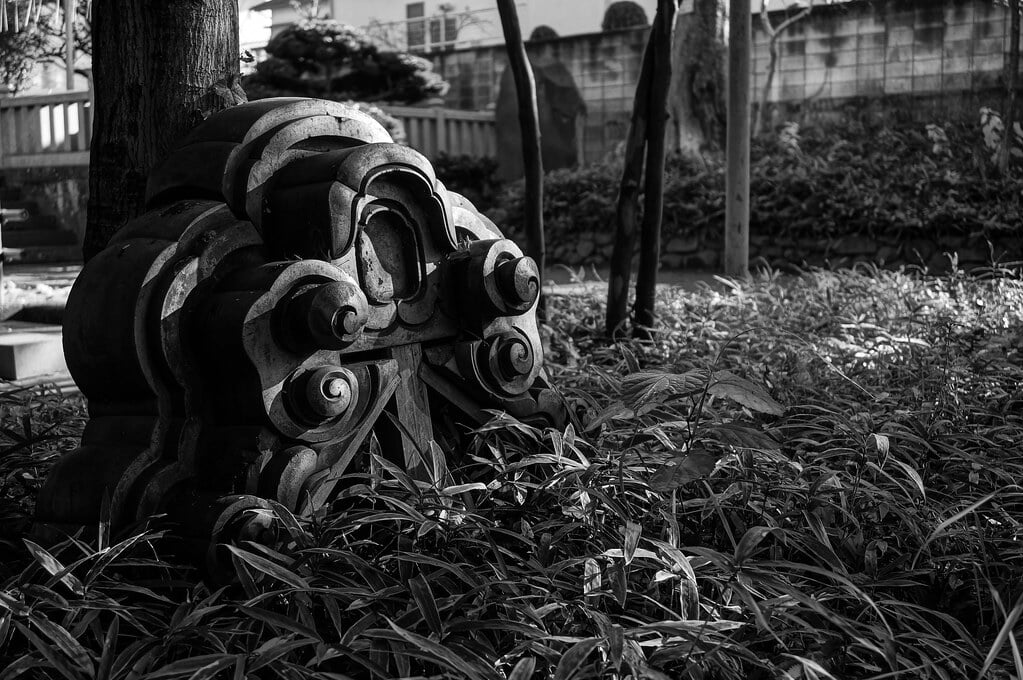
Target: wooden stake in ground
[1011, 77]
[154, 67]
[740, 37]
[653, 186]
[69, 43]
[628, 196]
[529, 122]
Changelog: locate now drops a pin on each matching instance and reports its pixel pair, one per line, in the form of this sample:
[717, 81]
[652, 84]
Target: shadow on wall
[559, 105]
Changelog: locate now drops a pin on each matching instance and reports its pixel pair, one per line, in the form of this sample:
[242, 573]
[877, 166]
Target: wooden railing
[54, 130]
[50, 130]
[434, 131]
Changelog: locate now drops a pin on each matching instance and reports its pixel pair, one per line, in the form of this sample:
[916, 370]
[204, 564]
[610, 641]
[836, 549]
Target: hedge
[882, 195]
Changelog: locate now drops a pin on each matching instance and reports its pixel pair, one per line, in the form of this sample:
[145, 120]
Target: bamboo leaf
[106, 661]
[444, 655]
[63, 641]
[423, 596]
[572, 661]
[941, 528]
[1004, 633]
[274, 649]
[749, 542]
[633, 531]
[462, 488]
[811, 666]
[591, 576]
[196, 667]
[271, 569]
[53, 566]
[280, 623]
[523, 669]
[56, 662]
[616, 646]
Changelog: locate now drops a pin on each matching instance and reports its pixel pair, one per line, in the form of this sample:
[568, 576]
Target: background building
[432, 25]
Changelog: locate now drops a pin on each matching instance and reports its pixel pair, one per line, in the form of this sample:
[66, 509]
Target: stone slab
[29, 350]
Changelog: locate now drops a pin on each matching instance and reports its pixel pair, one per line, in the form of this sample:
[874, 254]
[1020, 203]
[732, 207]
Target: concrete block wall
[605, 67]
[851, 50]
[860, 49]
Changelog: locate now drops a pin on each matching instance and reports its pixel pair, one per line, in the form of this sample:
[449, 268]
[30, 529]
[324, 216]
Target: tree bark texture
[762, 120]
[740, 40]
[154, 67]
[1011, 77]
[653, 187]
[628, 195]
[529, 122]
[697, 94]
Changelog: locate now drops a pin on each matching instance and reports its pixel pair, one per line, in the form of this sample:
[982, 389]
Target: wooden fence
[434, 131]
[54, 130]
[51, 130]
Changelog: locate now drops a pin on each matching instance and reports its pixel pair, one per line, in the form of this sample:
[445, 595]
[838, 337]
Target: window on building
[415, 25]
[450, 28]
[443, 30]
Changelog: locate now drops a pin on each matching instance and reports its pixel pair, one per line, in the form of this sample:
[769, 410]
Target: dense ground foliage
[807, 477]
[818, 193]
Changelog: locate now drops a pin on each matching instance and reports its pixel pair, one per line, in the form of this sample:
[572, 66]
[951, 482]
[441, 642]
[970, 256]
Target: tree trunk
[628, 195]
[773, 35]
[763, 109]
[529, 122]
[740, 39]
[696, 97]
[1011, 75]
[653, 198]
[154, 67]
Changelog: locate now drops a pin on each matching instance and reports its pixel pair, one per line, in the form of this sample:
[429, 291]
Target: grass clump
[808, 477]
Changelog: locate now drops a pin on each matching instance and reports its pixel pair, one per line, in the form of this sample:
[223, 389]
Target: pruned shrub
[330, 60]
[623, 14]
[543, 32]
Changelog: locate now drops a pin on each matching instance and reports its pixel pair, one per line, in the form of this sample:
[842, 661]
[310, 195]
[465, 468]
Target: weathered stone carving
[297, 274]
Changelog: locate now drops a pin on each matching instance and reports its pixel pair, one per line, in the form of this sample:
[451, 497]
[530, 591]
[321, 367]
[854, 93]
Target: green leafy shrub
[876, 194]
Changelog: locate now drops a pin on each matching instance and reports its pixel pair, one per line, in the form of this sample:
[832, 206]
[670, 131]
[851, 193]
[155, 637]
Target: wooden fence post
[740, 36]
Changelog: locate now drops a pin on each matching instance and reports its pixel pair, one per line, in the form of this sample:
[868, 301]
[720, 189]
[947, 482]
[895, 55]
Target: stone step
[43, 254]
[26, 238]
[29, 350]
[31, 206]
[31, 223]
[12, 215]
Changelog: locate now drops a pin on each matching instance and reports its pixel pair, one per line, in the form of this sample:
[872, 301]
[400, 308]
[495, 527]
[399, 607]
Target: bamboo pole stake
[69, 40]
[740, 37]
[529, 122]
[628, 195]
[643, 317]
